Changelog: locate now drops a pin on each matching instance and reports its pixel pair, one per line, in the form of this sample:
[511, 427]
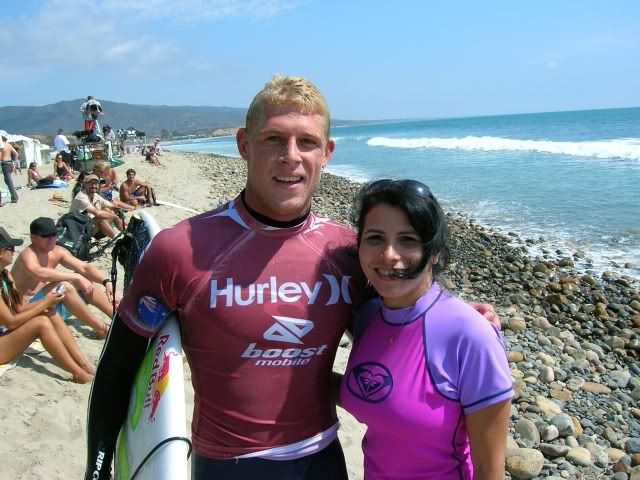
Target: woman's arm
[13, 320]
[487, 430]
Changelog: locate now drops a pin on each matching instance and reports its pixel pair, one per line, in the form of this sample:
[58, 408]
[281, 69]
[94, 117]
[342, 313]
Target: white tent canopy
[31, 149]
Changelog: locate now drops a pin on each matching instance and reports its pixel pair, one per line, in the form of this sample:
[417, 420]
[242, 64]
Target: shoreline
[591, 259]
[573, 339]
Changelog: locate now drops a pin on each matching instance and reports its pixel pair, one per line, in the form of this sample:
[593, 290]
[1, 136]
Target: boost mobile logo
[288, 330]
[272, 292]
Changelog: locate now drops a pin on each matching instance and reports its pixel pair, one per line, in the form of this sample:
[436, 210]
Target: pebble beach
[572, 339]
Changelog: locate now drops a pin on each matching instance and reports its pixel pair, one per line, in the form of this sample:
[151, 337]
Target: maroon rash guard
[262, 310]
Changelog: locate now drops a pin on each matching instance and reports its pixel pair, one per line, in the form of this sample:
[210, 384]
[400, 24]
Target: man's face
[91, 187]
[131, 175]
[285, 157]
[43, 244]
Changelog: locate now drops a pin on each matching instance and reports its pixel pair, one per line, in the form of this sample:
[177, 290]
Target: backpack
[74, 233]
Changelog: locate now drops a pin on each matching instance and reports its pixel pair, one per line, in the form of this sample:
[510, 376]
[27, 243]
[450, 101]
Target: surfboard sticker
[155, 431]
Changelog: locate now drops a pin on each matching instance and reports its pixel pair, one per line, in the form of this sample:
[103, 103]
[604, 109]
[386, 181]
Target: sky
[371, 59]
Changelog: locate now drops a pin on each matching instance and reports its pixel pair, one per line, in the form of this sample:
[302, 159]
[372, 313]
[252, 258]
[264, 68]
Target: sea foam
[624, 148]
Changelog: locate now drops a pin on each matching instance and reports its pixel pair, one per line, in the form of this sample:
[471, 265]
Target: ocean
[570, 180]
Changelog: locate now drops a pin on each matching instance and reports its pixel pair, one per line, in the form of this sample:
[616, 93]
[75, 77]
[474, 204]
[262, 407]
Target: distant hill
[152, 119]
[155, 120]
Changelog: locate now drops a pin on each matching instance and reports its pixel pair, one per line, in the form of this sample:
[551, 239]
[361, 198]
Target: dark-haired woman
[427, 374]
[60, 168]
[23, 323]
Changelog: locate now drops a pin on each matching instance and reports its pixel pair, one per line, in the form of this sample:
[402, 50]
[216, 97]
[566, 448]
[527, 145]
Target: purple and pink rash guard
[412, 376]
[261, 311]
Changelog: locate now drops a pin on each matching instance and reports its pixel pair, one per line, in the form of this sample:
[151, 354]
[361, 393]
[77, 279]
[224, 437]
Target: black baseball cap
[7, 241]
[43, 227]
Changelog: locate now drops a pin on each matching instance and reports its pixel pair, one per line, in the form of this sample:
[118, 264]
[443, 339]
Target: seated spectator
[35, 178]
[36, 270]
[21, 324]
[152, 158]
[101, 211]
[136, 192]
[108, 184]
[60, 168]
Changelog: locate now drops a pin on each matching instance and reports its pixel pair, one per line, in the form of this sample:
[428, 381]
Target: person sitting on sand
[136, 192]
[60, 168]
[108, 184]
[35, 178]
[152, 158]
[21, 324]
[35, 270]
[423, 361]
[101, 211]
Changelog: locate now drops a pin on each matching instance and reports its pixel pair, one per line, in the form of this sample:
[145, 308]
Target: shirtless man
[136, 192]
[35, 274]
[7, 154]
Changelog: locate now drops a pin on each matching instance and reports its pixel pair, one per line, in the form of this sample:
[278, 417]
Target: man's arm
[30, 264]
[122, 355]
[125, 196]
[88, 271]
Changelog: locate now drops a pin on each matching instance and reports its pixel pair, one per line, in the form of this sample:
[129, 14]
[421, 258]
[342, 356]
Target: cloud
[105, 33]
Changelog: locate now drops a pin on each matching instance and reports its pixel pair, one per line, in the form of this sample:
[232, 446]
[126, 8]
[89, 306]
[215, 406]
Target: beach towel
[55, 184]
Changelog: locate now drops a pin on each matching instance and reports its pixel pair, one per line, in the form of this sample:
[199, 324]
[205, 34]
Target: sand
[43, 413]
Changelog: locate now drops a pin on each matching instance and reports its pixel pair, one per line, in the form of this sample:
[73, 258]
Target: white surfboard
[153, 443]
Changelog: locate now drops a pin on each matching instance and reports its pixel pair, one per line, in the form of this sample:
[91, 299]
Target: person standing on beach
[262, 303]
[35, 270]
[7, 154]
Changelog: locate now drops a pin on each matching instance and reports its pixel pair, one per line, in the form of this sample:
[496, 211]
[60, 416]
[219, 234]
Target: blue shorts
[108, 195]
[60, 308]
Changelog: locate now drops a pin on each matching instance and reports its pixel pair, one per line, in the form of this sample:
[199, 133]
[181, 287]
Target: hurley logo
[288, 329]
[228, 293]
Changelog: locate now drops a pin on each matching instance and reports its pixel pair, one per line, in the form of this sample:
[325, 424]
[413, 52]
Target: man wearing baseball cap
[36, 268]
[6, 162]
[100, 210]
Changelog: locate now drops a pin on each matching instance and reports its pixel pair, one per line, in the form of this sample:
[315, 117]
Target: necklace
[405, 318]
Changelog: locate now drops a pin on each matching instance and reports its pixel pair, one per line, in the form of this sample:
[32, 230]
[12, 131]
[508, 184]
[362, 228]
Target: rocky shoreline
[573, 340]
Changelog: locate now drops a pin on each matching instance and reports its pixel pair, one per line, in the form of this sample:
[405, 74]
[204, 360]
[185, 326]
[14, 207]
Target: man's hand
[85, 286]
[487, 311]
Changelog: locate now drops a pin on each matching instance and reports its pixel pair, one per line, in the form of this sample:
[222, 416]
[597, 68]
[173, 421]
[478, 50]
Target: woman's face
[58, 158]
[389, 249]
[6, 256]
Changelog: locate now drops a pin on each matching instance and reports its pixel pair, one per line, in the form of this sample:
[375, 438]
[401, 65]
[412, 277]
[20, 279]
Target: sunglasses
[49, 235]
[413, 186]
[10, 249]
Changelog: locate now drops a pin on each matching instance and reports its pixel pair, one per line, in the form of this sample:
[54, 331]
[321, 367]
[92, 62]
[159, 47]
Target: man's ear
[242, 140]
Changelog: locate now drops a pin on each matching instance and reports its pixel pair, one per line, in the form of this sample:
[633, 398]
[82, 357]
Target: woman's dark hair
[423, 210]
[11, 296]
[79, 184]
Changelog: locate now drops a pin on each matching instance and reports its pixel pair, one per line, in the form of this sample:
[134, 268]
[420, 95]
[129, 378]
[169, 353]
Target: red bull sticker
[159, 377]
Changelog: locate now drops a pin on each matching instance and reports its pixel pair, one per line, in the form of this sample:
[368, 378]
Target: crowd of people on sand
[35, 296]
[427, 374]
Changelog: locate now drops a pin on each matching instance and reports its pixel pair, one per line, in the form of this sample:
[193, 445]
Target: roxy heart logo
[287, 329]
[370, 381]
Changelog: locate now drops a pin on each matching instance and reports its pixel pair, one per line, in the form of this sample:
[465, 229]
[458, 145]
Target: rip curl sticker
[151, 311]
[370, 381]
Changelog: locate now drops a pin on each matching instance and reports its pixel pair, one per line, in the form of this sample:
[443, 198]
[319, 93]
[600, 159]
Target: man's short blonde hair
[286, 91]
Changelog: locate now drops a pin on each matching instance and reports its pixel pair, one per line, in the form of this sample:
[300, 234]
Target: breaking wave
[625, 148]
